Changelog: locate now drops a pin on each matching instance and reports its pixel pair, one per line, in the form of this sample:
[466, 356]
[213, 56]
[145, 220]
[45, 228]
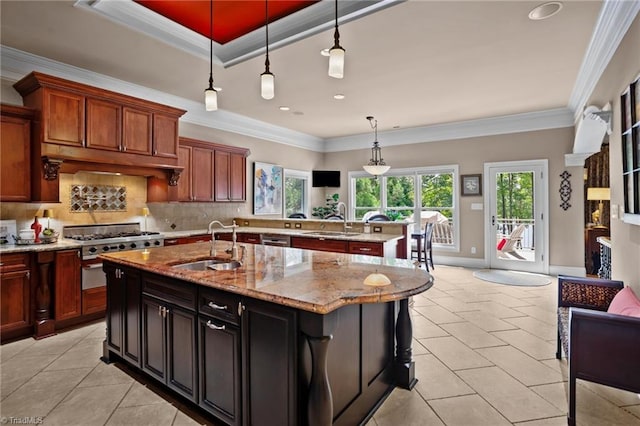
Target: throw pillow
[502, 243]
[625, 303]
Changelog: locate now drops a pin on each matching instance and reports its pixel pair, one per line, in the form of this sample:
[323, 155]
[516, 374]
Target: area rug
[518, 278]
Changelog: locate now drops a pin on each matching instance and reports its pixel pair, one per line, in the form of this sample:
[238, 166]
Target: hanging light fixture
[336, 53]
[267, 79]
[376, 165]
[210, 94]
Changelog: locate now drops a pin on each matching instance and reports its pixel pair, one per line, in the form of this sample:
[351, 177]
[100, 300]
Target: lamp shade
[336, 62]
[598, 194]
[47, 213]
[376, 170]
[145, 211]
[211, 99]
[267, 84]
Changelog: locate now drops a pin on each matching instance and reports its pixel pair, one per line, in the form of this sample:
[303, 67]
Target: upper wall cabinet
[86, 128]
[211, 172]
[15, 141]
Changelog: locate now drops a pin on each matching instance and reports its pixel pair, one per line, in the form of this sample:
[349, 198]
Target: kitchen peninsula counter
[291, 337]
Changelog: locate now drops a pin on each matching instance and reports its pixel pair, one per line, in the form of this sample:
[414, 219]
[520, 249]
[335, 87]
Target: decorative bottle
[37, 228]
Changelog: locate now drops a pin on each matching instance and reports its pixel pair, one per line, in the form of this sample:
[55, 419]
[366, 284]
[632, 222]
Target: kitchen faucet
[344, 215]
[234, 248]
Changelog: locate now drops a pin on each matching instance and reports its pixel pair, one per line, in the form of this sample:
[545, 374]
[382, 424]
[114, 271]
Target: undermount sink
[213, 264]
[334, 233]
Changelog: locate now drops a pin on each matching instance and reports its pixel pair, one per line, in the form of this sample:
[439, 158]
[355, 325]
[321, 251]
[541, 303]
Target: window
[296, 192]
[395, 195]
[630, 102]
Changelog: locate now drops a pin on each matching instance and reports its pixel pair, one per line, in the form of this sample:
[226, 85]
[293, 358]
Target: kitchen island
[289, 337]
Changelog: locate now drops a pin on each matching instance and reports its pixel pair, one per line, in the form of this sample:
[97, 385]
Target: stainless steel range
[107, 238]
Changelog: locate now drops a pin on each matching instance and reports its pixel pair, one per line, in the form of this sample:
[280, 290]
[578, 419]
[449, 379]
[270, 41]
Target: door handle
[218, 307]
[215, 327]
[493, 221]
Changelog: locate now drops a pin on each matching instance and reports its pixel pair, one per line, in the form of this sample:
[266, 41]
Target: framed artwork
[471, 184]
[267, 188]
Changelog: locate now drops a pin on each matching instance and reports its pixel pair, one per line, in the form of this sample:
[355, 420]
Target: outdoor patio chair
[507, 244]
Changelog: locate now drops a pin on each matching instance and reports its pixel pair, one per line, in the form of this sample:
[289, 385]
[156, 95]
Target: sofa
[599, 331]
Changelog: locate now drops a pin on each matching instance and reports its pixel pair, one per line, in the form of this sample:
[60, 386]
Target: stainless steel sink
[334, 233]
[214, 264]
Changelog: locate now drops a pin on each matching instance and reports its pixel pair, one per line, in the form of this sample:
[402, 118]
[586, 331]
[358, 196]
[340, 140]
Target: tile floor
[484, 354]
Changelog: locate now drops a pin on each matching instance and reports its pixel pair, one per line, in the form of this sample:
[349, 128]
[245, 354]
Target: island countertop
[310, 280]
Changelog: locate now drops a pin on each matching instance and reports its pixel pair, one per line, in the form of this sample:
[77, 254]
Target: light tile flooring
[484, 354]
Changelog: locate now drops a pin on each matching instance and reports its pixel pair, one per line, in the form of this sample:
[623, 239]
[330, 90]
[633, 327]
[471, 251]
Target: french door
[516, 231]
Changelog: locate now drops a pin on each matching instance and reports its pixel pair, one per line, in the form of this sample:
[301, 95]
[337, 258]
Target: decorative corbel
[174, 175]
[51, 168]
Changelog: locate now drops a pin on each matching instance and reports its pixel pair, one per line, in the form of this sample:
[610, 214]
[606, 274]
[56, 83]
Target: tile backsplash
[185, 216]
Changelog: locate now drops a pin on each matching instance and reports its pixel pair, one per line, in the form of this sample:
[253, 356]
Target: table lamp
[599, 194]
[48, 213]
[145, 213]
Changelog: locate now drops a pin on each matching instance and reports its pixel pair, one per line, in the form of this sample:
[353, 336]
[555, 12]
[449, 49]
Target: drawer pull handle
[218, 307]
[365, 249]
[215, 327]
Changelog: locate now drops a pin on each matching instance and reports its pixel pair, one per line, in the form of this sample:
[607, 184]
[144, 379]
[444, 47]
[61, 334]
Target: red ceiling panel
[231, 18]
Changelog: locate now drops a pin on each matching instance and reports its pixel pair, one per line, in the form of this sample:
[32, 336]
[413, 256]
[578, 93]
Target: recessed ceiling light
[324, 52]
[396, 127]
[338, 96]
[544, 11]
[298, 113]
[284, 108]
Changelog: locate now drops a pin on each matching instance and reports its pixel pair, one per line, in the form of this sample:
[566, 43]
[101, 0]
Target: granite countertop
[293, 232]
[61, 244]
[310, 280]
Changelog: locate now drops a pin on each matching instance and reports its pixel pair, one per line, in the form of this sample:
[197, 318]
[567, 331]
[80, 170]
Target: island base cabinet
[123, 313]
[169, 345]
[269, 350]
[219, 363]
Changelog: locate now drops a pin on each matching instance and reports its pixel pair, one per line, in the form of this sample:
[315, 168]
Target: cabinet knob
[365, 249]
[215, 327]
[218, 307]
[155, 152]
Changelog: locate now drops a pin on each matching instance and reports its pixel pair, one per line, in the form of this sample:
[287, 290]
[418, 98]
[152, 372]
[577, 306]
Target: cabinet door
[68, 291]
[165, 135]
[185, 190]
[115, 308]
[154, 338]
[15, 159]
[104, 125]
[269, 364]
[219, 362]
[63, 117]
[136, 131]
[181, 351]
[202, 174]
[237, 177]
[222, 175]
[360, 247]
[131, 316]
[15, 299]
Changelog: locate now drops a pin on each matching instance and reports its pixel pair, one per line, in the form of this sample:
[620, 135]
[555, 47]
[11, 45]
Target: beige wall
[566, 227]
[625, 238]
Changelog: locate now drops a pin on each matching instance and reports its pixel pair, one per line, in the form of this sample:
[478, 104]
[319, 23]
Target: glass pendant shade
[211, 99]
[376, 165]
[336, 62]
[267, 85]
[376, 170]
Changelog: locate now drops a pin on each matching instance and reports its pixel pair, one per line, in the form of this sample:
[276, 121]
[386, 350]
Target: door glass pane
[437, 206]
[367, 196]
[400, 197]
[515, 216]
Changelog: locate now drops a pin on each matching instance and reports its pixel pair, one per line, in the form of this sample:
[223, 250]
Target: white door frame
[541, 197]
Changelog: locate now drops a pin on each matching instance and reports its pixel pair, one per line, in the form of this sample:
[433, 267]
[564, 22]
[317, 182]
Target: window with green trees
[296, 192]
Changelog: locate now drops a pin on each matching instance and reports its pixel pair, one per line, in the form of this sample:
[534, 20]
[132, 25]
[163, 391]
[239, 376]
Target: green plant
[394, 215]
[330, 207]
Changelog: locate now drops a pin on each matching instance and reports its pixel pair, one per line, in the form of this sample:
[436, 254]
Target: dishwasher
[276, 240]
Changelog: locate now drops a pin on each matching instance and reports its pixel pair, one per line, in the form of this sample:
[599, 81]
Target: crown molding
[515, 123]
[16, 64]
[613, 23]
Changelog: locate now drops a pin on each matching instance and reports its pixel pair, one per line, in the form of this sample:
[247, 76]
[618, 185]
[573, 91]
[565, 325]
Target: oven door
[92, 274]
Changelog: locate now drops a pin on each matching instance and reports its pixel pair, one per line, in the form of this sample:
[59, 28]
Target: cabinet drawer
[94, 300]
[219, 304]
[183, 294]
[194, 239]
[320, 244]
[14, 262]
[249, 238]
[373, 249]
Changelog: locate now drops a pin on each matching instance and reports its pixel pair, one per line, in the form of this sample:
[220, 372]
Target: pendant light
[267, 79]
[376, 165]
[210, 94]
[336, 53]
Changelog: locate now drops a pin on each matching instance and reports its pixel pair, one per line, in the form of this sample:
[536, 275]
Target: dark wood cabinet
[63, 117]
[363, 247]
[15, 295]
[165, 135]
[230, 176]
[67, 284]
[202, 174]
[184, 188]
[169, 351]
[15, 153]
[137, 131]
[322, 244]
[123, 312]
[249, 237]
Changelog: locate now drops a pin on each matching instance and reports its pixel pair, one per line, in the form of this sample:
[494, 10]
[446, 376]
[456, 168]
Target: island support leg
[405, 366]
[320, 403]
[44, 324]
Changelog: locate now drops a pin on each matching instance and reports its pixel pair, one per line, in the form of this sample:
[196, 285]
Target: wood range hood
[84, 128]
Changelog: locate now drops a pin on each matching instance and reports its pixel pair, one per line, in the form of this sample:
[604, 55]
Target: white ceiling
[415, 64]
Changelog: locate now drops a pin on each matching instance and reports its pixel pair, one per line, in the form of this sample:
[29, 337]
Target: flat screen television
[325, 178]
